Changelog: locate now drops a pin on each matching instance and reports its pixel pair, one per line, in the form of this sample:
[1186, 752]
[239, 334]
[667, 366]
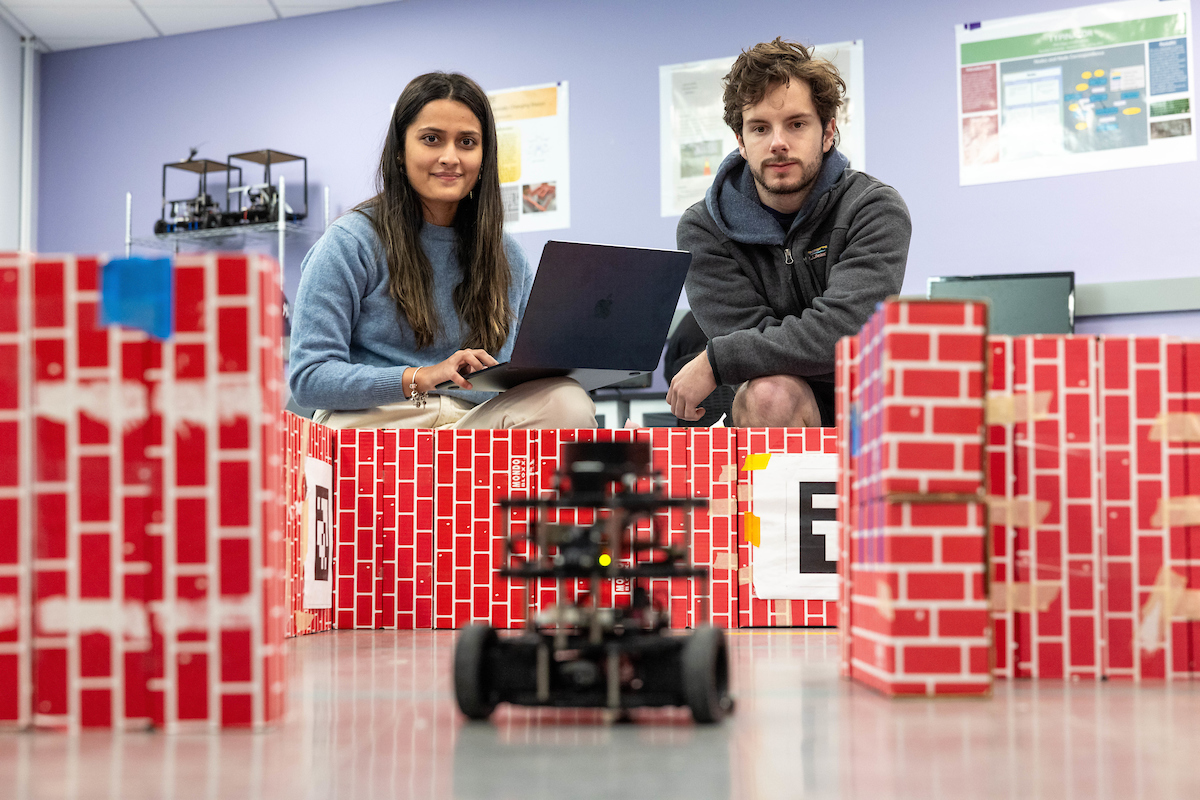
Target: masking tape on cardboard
[1170, 599]
[724, 561]
[303, 620]
[1017, 512]
[1005, 409]
[756, 461]
[783, 612]
[883, 598]
[745, 574]
[1025, 597]
[745, 492]
[1181, 427]
[751, 528]
[728, 473]
[1175, 511]
[722, 507]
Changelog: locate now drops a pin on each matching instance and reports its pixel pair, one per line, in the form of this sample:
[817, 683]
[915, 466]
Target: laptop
[596, 313]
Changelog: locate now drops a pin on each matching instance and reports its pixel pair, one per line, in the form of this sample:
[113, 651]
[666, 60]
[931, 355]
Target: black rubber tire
[470, 671]
[705, 668]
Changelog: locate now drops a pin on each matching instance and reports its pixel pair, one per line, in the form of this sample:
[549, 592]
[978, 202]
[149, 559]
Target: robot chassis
[577, 654]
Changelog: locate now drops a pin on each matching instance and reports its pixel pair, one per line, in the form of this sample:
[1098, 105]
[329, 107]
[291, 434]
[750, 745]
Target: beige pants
[545, 403]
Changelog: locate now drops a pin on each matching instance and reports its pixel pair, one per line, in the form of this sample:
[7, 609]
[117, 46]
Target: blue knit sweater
[350, 346]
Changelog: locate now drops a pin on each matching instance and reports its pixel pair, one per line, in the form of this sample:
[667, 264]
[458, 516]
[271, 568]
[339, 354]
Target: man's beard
[808, 176]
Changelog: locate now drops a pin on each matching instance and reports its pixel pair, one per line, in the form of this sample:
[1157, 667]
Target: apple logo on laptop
[603, 307]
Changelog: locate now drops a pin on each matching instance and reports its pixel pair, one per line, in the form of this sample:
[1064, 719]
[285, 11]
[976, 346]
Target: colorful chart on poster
[532, 134]
[694, 138]
[1079, 90]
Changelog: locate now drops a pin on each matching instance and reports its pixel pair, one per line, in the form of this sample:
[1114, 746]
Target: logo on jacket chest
[817, 252]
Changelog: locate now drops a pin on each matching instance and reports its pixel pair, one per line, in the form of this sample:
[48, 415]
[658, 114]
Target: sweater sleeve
[333, 279]
[749, 340]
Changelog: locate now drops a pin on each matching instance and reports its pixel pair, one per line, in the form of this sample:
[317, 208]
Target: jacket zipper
[787, 256]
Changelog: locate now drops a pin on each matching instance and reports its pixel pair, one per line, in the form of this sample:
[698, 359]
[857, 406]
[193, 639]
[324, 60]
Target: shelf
[232, 235]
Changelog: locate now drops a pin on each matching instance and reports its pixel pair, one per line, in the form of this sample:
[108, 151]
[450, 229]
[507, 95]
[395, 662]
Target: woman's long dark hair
[481, 299]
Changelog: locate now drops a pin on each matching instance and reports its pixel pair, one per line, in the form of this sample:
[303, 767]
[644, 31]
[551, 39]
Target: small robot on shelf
[577, 653]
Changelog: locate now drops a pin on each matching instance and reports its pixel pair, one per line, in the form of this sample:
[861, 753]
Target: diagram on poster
[795, 500]
[1080, 90]
[694, 138]
[317, 522]
[532, 134]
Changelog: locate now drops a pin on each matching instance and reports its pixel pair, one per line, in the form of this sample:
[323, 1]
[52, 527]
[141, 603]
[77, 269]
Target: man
[791, 249]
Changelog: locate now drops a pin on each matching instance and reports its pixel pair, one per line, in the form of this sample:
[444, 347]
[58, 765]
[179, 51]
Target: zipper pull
[787, 256]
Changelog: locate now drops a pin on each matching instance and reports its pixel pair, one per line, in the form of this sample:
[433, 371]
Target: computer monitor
[1030, 302]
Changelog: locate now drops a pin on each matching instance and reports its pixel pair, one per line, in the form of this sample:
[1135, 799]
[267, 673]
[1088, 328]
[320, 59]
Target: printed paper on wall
[1079, 90]
[694, 138]
[532, 135]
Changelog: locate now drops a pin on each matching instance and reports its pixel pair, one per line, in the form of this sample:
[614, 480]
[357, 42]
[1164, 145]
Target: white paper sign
[533, 142]
[693, 136]
[795, 499]
[318, 534]
[1078, 90]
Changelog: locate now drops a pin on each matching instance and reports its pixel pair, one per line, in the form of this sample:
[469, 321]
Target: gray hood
[732, 200]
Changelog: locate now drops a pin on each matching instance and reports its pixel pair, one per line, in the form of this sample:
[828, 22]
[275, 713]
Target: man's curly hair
[765, 66]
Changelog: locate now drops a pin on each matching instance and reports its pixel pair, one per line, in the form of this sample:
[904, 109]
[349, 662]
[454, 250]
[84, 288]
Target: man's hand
[690, 386]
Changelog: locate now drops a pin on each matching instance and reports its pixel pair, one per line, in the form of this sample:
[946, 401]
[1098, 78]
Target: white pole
[128, 223]
[326, 207]
[282, 224]
[25, 240]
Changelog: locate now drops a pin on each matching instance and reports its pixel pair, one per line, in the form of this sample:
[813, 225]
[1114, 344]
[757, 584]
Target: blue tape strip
[139, 293]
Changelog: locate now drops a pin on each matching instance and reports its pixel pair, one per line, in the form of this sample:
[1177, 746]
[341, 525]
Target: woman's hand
[454, 368]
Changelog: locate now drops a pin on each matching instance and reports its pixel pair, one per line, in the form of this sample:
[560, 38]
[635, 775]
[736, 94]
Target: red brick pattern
[753, 611]
[919, 620]
[384, 494]
[16, 469]
[712, 475]
[921, 379]
[1001, 483]
[845, 394]
[222, 610]
[305, 439]
[1146, 464]
[1053, 520]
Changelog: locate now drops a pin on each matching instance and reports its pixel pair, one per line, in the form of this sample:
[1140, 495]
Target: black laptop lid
[599, 306]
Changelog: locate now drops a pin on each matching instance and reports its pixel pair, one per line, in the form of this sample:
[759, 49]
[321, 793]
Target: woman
[419, 285]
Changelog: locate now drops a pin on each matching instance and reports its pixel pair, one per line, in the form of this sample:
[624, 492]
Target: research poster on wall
[532, 134]
[694, 138]
[1079, 90]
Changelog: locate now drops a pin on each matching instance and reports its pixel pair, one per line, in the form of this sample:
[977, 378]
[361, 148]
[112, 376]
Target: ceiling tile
[296, 8]
[196, 17]
[84, 22]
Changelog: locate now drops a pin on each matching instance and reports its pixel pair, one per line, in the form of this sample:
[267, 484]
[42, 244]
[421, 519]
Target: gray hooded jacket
[775, 303]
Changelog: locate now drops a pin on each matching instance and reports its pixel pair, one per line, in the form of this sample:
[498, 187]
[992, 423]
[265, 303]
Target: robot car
[577, 653]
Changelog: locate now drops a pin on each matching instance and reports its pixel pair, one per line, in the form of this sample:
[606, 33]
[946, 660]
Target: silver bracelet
[418, 398]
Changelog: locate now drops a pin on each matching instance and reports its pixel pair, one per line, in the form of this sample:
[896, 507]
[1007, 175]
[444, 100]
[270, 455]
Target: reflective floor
[372, 716]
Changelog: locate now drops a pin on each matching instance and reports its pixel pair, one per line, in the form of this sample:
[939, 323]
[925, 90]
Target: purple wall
[323, 85]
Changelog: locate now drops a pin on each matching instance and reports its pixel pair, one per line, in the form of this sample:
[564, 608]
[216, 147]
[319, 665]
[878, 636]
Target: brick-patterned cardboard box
[1050, 519]
[920, 618]
[384, 491]
[911, 412]
[845, 393]
[219, 619]
[94, 500]
[921, 381]
[713, 476]
[1149, 398]
[803, 590]
[16, 471]
[306, 440]
[999, 454]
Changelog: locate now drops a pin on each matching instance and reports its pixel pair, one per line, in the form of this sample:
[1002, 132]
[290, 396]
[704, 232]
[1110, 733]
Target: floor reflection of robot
[577, 654]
